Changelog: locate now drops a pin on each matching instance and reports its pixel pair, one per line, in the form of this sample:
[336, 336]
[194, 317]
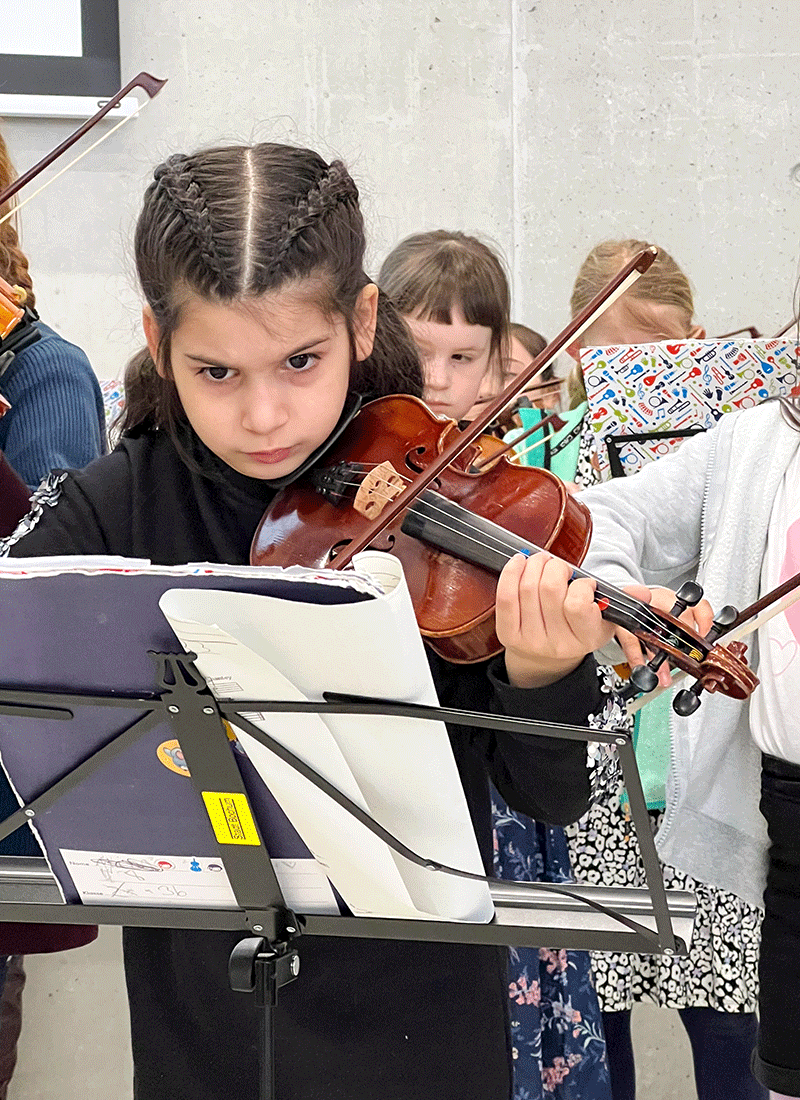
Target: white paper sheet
[402, 770]
[124, 879]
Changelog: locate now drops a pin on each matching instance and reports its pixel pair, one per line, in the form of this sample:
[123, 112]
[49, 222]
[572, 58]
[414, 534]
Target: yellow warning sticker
[230, 818]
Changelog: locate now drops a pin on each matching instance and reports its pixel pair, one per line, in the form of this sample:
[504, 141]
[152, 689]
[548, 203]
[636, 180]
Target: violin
[455, 538]
[17, 328]
[403, 480]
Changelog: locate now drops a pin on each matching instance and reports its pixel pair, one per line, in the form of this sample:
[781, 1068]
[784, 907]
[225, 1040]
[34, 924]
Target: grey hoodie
[704, 511]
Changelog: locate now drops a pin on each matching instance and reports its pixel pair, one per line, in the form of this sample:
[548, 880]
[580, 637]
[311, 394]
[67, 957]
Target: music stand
[267, 957]
[615, 443]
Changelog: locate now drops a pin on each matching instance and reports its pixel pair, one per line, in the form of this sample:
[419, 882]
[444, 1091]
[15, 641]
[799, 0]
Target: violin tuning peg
[687, 701]
[644, 679]
[724, 618]
[689, 594]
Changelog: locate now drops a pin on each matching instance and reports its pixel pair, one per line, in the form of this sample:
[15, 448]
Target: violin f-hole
[418, 467]
[413, 459]
[335, 550]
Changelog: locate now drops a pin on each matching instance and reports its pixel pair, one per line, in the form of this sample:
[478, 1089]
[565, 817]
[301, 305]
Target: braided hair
[236, 222]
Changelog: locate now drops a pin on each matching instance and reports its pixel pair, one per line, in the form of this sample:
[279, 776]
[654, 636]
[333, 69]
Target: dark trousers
[722, 1045]
[777, 1058]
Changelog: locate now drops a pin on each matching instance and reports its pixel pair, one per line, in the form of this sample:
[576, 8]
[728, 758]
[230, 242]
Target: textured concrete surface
[545, 124]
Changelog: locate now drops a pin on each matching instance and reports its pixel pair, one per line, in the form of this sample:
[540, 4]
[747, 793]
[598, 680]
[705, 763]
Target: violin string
[494, 542]
[539, 443]
[616, 598]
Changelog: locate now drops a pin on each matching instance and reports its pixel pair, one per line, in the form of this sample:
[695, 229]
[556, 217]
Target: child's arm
[647, 527]
[549, 625]
[88, 512]
[546, 623]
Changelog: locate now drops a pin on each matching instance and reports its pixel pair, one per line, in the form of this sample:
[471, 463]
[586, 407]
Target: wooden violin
[404, 480]
[17, 328]
[456, 537]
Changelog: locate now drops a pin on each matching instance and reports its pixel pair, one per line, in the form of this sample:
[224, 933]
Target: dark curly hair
[235, 222]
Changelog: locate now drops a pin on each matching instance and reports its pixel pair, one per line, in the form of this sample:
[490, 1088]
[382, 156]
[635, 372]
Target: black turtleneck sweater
[366, 1019]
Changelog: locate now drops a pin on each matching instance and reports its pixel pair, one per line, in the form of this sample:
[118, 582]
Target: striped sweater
[57, 418]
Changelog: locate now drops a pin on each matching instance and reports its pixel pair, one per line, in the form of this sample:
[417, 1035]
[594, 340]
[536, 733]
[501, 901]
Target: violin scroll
[17, 328]
[714, 667]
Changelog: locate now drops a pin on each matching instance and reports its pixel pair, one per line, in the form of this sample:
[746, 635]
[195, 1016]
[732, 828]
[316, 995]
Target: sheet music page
[134, 830]
[401, 770]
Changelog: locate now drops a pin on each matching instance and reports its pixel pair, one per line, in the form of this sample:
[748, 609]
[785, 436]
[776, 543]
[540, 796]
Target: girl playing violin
[725, 507]
[262, 332]
[453, 293]
[715, 987]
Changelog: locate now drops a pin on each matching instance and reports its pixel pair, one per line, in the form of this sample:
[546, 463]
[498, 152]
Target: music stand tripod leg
[260, 967]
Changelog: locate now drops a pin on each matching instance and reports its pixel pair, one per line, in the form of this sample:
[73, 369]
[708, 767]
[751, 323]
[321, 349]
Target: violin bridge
[379, 486]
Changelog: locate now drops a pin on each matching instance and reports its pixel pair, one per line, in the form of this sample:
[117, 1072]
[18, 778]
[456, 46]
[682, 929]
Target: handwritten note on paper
[128, 879]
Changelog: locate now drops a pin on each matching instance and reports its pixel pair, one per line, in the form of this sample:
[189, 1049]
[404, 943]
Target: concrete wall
[546, 125]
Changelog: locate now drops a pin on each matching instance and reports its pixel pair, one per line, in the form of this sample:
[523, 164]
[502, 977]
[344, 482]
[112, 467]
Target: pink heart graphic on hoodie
[783, 653]
[791, 565]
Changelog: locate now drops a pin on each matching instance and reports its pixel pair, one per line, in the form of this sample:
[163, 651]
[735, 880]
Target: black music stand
[615, 443]
[268, 957]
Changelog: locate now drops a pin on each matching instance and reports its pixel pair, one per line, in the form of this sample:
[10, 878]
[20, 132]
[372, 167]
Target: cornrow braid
[334, 186]
[174, 177]
[281, 218]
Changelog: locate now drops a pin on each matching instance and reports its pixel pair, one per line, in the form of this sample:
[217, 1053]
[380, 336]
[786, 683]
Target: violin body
[308, 523]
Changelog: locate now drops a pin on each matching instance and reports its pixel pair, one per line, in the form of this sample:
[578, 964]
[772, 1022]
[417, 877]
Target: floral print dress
[556, 1028]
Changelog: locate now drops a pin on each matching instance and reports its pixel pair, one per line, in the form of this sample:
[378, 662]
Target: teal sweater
[56, 419]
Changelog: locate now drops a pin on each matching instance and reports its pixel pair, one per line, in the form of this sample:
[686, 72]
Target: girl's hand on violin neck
[546, 623]
[699, 618]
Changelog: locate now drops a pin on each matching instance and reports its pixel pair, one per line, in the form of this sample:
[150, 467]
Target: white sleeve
[646, 528]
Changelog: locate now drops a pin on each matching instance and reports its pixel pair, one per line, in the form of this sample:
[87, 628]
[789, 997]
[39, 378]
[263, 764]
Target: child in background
[543, 393]
[696, 511]
[263, 333]
[453, 293]
[715, 987]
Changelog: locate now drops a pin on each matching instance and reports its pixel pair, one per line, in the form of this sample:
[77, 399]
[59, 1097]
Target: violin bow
[786, 328]
[746, 622]
[636, 267]
[149, 84]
